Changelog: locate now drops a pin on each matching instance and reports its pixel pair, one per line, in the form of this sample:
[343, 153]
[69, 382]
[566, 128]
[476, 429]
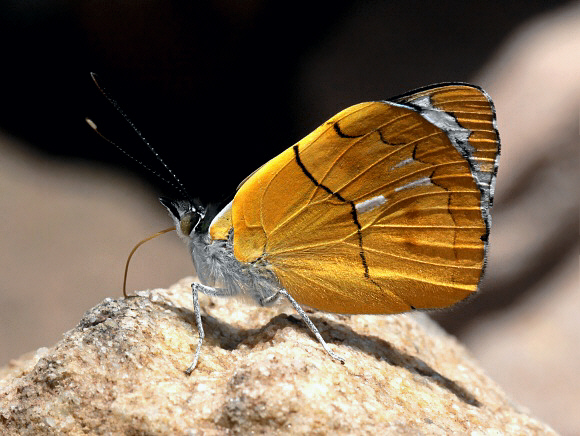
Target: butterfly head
[187, 215]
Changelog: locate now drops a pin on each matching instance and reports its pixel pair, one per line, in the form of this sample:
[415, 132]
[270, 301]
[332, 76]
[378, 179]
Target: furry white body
[216, 267]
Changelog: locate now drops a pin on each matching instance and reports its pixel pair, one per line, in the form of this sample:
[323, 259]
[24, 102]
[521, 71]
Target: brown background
[219, 89]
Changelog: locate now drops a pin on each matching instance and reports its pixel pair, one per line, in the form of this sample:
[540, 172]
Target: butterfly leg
[212, 292]
[310, 324]
[267, 301]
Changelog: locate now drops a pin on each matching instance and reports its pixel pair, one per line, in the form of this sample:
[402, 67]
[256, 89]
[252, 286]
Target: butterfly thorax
[217, 267]
[213, 257]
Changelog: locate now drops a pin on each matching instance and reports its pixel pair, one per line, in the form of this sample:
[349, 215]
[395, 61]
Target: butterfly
[384, 208]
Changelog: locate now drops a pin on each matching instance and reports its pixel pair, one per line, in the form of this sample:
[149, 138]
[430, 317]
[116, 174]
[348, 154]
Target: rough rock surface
[120, 371]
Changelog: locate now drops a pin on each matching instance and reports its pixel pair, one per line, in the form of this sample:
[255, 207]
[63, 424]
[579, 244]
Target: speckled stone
[121, 371]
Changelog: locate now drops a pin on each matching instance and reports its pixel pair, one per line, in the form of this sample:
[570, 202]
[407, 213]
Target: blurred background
[220, 87]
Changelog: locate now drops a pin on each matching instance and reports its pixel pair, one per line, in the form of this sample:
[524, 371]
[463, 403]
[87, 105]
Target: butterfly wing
[383, 208]
[473, 109]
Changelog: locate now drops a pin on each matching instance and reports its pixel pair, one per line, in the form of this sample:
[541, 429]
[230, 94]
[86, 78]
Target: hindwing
[382, 209]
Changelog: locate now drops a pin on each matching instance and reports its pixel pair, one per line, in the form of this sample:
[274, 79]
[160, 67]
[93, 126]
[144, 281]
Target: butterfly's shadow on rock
[230, 337]
[383, 350]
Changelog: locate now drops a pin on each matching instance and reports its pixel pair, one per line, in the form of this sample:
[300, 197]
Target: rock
[121, 371]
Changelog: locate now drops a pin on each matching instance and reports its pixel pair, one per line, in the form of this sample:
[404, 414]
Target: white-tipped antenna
[111, 100]
[93, 126]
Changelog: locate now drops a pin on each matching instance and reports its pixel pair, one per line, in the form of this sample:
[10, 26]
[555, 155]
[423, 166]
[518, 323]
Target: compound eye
[188, 223]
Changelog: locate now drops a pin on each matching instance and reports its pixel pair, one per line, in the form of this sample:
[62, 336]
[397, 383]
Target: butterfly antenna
[111, 100]
[93, 126]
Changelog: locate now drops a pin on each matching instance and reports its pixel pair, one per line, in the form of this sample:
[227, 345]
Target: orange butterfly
[384, 208]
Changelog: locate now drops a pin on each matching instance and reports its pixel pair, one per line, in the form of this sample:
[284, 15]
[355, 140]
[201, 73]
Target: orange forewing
[222, 224]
